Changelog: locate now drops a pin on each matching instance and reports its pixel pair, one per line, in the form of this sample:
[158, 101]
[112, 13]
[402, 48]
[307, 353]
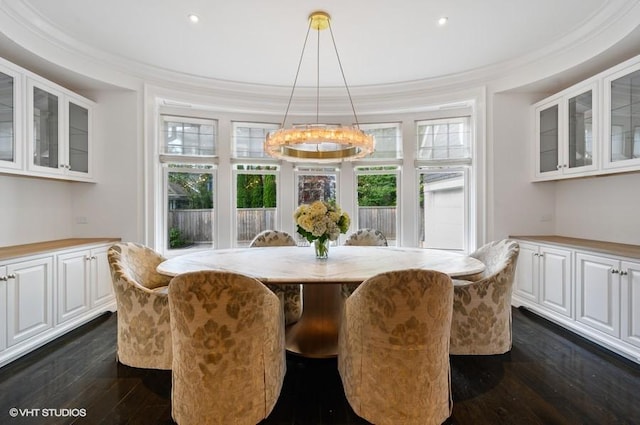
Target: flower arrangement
[320, 222]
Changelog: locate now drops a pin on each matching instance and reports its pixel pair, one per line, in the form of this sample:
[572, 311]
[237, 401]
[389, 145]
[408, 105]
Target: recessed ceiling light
[443, 21]
[193, 18]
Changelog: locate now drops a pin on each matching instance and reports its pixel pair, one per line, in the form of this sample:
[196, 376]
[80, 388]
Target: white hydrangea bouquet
[321, 222]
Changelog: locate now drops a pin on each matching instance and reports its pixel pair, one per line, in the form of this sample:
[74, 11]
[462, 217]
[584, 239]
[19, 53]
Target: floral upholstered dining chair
[290, 294]
[362, 237]
[144, 334]
[481, 321]
[393, 348]
[228, 349]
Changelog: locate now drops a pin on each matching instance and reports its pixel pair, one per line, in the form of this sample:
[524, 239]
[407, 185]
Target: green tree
[377, 190]
[241, 191]
[269, 193]
[197, 187]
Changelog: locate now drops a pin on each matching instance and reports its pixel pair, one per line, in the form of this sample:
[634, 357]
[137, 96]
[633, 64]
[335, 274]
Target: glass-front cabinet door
[622, 118]
[59, 132]
[45, 129]
[567, 133]
[548, 131]
[79, 121]
[10, 117]
[580, 151]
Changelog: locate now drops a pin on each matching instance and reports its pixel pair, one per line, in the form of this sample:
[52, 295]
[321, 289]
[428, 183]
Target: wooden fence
[381, 218]
[196, 225]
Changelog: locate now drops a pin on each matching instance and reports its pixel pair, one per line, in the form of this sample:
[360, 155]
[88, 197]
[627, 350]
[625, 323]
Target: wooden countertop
[9, 252]
[612, 248]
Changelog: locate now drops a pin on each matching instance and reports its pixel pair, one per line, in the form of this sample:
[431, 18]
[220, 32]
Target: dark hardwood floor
[550, 377]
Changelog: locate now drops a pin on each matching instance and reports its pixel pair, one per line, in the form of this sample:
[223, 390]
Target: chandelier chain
[344, 79]
[295, 80]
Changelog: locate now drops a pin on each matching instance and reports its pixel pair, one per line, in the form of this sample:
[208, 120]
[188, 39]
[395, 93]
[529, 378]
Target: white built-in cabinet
[576, 284]
[544, 277]
[565, 129]
[45, 129]
[44, 295]
[591, 128]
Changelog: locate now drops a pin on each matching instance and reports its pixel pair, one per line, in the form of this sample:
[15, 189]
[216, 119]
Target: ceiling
[260, 42]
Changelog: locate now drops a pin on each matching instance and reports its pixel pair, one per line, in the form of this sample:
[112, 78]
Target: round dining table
[316, 333]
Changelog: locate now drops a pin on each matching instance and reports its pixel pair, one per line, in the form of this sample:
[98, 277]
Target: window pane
[442, 209]
[444, 139]
[388, 139]
[256, 202]
[377, 198]
[248, 139]
[188, 136]
[315, 187]
[190, 212]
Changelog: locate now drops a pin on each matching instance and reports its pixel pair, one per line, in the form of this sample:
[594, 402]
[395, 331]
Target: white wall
[515, 205]
[602, 208]
[34, 210]
[112, 207]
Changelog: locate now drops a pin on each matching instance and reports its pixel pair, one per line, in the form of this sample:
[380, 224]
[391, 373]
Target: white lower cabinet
[101, 285]
[73, 284]
[598, 293]
[555, 280]
[42, 297]
[594, 294]
[29, 299]
[543, 277]
[527, 272]
[630, 302]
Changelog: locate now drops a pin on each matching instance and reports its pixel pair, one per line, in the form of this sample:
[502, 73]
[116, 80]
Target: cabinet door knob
[11, 276]
[3, 278]
[558, 167]
[614, 271]
[623, 273]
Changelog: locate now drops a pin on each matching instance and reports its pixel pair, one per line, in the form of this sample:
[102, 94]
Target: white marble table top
[298, 264]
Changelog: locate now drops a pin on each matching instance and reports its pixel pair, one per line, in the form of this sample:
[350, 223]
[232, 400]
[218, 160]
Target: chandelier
[319, 142]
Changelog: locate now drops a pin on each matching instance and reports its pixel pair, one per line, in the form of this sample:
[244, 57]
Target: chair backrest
[136, 264]
[402, 322]
[367, 237]
[272, 238]
[228, 348]
[497, 256]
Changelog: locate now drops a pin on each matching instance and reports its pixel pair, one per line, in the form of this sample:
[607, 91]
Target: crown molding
[21, 23]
